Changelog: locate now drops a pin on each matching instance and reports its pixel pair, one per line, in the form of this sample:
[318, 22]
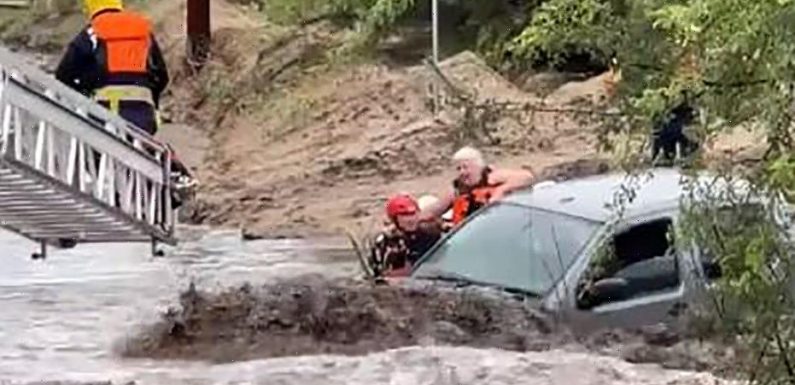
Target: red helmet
[401, 204]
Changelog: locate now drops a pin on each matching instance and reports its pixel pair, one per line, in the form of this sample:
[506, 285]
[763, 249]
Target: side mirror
[601, 291]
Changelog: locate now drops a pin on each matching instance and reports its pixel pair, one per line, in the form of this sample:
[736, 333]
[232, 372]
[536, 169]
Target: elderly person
[477, 185]
[427, 201]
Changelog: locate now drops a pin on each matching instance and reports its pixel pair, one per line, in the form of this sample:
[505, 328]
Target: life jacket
[395, 252]
[470, 199]
[123, 40]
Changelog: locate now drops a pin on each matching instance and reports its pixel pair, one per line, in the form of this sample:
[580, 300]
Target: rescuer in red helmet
[406, 238]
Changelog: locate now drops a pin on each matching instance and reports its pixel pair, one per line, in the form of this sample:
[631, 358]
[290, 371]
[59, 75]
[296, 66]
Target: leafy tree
[486, 26]
[736, 61]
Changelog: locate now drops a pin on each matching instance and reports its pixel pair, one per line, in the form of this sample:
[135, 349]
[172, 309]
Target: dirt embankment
[302, 145]
[287, 140]
[317, 317]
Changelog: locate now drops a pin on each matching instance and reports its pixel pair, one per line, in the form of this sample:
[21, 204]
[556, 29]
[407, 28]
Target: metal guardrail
[71, 169]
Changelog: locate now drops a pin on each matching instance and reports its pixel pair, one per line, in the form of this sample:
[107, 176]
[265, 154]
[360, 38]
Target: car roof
[595, 197]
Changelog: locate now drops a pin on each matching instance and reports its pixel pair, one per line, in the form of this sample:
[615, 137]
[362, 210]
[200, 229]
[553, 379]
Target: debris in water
[318, 317]
[290, 319]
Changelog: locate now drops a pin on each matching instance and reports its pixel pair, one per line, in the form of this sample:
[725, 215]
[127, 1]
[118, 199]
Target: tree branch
[785, 357]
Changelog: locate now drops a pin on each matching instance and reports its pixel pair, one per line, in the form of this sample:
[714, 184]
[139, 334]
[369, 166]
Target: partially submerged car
[576, 252]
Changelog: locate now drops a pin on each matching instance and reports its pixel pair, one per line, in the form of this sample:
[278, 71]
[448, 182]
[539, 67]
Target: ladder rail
[66, 143]
[22, 98]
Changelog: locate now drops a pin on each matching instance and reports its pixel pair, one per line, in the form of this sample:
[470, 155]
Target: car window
[511, 246]
[639, 261]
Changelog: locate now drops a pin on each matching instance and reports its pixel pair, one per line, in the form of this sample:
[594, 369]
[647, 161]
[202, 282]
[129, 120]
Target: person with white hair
[477, 185]
[427, 201]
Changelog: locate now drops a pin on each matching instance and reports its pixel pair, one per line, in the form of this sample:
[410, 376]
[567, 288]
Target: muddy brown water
[283, 312]
[63, 318]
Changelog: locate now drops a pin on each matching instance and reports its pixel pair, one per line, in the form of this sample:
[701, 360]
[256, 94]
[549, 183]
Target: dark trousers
[141, 114]
[144, 116]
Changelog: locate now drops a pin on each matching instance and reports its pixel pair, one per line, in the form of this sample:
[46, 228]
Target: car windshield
[510, 246]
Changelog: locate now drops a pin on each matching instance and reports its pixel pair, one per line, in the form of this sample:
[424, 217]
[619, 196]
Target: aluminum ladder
[73, 172]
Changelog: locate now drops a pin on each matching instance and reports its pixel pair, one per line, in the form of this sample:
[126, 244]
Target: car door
[645, 271]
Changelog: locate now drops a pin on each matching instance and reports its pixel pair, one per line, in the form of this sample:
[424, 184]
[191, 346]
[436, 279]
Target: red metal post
[198, 32]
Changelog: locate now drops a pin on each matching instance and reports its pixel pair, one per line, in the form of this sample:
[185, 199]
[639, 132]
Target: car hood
[421, 283]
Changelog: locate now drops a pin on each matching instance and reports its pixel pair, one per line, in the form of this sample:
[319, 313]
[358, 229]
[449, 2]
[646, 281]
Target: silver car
[547, 244]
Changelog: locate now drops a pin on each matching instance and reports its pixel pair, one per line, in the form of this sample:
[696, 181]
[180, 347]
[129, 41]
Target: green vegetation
[734, 60]
[486, 25]
[370, 17]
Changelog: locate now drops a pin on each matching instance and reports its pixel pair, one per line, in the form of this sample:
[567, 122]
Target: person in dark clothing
[116, 60]
[407, 238]
[669, 132]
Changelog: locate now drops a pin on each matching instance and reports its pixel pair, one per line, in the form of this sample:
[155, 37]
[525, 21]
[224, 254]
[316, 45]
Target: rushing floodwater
[61, 317]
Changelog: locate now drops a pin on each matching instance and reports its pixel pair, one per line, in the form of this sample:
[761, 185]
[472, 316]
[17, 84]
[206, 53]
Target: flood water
[62, 320]
[62, 317]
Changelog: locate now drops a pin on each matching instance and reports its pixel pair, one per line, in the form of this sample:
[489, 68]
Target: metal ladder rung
[50, 200]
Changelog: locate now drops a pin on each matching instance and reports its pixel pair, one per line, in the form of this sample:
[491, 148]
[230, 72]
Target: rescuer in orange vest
[477, 185]
[116, 61]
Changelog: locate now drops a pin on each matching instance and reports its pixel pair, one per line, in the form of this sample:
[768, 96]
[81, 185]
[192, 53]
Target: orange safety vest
[126, 37]
[469, 200]
[125, 40]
